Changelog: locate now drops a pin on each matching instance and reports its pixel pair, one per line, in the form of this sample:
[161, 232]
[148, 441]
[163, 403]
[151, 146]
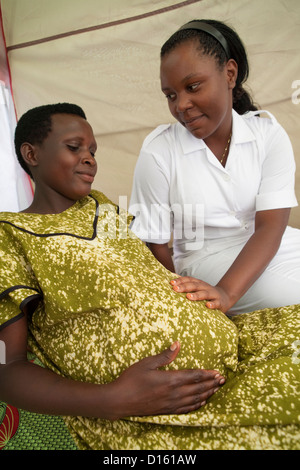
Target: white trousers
[279, 284]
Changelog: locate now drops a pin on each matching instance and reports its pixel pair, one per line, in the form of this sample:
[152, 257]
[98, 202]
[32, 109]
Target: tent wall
[104, 56]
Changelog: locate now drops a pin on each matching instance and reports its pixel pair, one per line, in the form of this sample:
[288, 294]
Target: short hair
[35, 125]
[208, 45]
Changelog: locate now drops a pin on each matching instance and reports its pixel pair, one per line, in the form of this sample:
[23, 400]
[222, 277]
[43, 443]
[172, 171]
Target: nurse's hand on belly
[215, 297]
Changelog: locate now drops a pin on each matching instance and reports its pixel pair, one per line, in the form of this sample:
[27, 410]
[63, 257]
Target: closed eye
[73, 148]
[76, 148]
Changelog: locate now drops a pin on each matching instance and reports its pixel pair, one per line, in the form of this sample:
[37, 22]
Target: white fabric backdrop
[104, 56]
[15, 188]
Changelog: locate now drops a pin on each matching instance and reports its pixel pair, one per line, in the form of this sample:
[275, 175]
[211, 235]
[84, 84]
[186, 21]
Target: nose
[183, 103]
[88, 159]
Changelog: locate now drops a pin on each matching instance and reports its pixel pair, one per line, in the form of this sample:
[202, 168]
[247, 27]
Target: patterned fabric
[36, 432]
[23, 430]
[105, 302]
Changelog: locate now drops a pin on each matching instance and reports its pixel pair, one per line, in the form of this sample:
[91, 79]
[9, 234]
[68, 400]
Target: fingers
[194, 402]
[148, 390]
[194, 290]
[213, 305]
[164, 358]
[199, 379]
[187, 284]
[191, 285]
[199, 290]
[195, 395]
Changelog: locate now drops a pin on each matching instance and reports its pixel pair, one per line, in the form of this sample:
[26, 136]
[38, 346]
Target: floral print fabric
[106, 302]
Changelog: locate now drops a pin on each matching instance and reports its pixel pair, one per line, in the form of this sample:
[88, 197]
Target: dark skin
[142, 389]
[199, 94]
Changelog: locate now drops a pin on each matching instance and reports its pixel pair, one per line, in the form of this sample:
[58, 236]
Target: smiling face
[64, 165]
[198, 90]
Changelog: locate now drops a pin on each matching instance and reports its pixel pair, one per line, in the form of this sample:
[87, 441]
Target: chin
[81, 194]
[198, 134]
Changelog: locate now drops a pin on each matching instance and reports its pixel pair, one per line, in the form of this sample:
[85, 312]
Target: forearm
[33, 388]
[142, 389]
[247, 267]
[163, 254]
[250, 263]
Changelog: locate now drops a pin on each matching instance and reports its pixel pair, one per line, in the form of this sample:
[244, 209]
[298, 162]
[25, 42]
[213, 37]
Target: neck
[219, 144]
[45, 204]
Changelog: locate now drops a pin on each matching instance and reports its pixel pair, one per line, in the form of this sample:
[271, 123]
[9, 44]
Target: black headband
[209, 29]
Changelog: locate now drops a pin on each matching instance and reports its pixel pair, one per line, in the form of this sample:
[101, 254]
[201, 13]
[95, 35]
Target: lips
[193, 120]
[85, 176]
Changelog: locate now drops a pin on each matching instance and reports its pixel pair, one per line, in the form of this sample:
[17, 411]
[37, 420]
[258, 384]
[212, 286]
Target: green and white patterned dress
[105, 302]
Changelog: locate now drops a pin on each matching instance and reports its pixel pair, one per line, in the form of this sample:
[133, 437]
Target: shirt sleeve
[149, 202]
[17, 281]
[277, 188]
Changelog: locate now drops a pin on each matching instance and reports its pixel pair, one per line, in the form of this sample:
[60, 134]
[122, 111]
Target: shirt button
[226, 177]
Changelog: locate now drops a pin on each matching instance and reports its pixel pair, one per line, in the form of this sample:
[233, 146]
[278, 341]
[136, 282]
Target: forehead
[69, 124]
[184, 60]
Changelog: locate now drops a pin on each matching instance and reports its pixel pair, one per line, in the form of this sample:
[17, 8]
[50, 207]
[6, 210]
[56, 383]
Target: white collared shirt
[181, 190]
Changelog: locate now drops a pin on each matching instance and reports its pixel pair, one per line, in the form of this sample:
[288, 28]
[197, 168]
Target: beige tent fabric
[104, 56]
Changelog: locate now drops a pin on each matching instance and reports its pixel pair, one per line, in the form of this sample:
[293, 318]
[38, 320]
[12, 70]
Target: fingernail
[216, 376]
[203, 403]
[216, 389]
[222, 381]
[173, 346]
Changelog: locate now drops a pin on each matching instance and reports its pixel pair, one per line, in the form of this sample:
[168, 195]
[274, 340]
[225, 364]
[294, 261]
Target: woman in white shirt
[219, 182]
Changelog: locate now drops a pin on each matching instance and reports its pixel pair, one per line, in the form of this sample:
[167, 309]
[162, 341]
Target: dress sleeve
[17, 281]
[277, 188]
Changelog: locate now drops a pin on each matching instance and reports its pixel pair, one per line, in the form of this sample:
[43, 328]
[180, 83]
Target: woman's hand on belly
[143, 389]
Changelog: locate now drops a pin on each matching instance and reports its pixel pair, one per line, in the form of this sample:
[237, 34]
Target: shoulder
[10, 218]
[261, 126]
[156, 134]
[6, 216]
[261, 121]
[159, 137]
[9, 222]
[160, 147]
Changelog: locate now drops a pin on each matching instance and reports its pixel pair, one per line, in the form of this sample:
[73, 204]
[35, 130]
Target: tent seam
[101, 26]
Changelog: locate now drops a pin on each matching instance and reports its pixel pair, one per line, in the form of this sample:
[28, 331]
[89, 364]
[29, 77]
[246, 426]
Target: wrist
[230, 296]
